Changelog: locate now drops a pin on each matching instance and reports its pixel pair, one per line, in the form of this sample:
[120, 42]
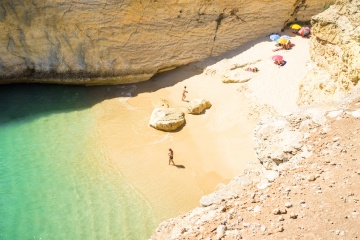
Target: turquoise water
[55, 179]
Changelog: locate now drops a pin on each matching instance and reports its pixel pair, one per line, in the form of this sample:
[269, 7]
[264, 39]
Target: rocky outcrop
[335, 50]
[293, 199]
[280, 139]
[237, 76]
[112, 42]
[167, 119]
[198, 106]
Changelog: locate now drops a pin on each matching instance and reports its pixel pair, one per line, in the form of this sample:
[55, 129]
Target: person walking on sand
[184, 94]
[171, 156]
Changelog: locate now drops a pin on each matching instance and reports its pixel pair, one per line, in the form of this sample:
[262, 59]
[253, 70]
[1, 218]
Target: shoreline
[213, 147]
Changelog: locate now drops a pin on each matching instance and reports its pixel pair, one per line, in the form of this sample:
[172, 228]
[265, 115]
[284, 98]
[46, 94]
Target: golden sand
[211, 148]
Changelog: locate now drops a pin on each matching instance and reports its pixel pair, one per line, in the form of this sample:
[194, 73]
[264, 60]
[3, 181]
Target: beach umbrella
[295, 26]
[304, 31]
[277, 58]
[282, 40]
[274, 37]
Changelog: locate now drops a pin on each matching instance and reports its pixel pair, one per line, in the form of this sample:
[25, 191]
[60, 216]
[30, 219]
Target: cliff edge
[113, 42]
[335, 52]
[306, 184]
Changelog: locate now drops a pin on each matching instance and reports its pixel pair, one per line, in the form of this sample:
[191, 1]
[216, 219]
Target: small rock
[293, 216]
[257, 209]
[288, 205]
[245, 224]
[276, 211]
[284, 211]
[311, 178]
[220, 231]
[281, 218]
[263, 228]
[356, 113]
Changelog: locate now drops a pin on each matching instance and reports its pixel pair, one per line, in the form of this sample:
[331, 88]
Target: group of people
[287, 46]
[280, 62]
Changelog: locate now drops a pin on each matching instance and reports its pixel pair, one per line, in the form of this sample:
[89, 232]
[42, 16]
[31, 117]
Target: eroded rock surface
[112, 42]
[167, 119]
[279, 139]
[335, 50]
[197, 106]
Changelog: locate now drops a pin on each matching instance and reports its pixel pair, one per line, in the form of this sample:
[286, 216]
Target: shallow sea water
[55, 178]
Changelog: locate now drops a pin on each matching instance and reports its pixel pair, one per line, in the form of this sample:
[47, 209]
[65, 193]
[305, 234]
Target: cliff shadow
[19, 102]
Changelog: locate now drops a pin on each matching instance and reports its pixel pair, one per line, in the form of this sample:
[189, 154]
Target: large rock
[335, 50]
[167, 119]
[112, 41]
[197, 106]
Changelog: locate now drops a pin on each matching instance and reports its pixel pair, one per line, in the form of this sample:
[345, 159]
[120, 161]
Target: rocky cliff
[123, 41]
[335, 51]
[304, 188]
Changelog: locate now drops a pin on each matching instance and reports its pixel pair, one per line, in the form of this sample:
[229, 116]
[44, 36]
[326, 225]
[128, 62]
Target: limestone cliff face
[123, 41]
[335, 50]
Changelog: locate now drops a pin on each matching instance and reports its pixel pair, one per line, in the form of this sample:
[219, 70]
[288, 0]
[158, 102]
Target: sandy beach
[211, 148]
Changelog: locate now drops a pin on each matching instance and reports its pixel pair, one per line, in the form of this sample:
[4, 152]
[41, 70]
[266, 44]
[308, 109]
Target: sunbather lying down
[255, 69]
[280, 62]
[286, 46]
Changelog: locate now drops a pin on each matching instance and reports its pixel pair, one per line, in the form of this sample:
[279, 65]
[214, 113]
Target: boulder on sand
[167, 119]
[197, 106]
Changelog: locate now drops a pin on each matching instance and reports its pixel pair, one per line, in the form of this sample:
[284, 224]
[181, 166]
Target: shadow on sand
[21, 101]
[179, 166]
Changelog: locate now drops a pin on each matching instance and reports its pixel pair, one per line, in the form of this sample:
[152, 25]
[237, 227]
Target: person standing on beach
[184, 94]
[171, 156]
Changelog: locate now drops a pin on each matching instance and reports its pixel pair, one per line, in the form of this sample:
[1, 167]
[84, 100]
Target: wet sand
[211, 148]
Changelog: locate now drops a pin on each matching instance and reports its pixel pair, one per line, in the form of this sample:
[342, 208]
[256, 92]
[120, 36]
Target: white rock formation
[167, 119]
[197, 106]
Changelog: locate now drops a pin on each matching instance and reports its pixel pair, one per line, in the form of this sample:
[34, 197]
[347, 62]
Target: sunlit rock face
[335, 51]
[124, 41]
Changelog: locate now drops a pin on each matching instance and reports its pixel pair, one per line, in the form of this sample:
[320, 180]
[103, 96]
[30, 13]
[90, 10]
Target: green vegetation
[327, 5]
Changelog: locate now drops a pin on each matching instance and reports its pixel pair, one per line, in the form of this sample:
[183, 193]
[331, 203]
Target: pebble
[257, 209]
[288, 205]
[245, 224]
[335, 139]
[281, 218]
[276, 211]
[311, 178]
[293, 216]
[220, 231]
[356, 113]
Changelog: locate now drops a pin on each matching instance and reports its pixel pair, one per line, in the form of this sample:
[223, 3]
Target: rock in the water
[197, 106]
[167, 119]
